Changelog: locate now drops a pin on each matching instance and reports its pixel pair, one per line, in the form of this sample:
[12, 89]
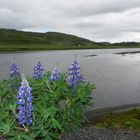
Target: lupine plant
[54, 111]
[74, 74]
[55, 75]
[39, 70]
[14, 70]
[25, 103]
[14, 75]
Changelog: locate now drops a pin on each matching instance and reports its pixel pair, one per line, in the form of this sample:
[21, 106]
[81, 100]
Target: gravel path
[102, 134]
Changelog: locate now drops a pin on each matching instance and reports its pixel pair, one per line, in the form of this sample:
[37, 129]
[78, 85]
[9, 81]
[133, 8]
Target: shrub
[57, 108]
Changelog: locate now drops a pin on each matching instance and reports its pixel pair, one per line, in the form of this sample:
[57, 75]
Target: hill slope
[18, 40]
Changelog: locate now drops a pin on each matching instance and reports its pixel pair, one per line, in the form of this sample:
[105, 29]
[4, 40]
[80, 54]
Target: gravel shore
[89, 133]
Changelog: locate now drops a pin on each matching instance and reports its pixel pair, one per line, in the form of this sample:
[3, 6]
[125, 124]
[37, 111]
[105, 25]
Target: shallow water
[117, 77]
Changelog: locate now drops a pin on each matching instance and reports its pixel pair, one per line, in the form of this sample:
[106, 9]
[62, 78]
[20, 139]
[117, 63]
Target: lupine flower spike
[55, 75]
[39, 70]
[74, 74]
[25, 103]
[14, 70]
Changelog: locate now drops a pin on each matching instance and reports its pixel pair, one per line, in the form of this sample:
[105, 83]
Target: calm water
[117, 77]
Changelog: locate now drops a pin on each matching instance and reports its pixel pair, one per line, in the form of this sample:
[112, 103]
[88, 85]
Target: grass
[37, 47]
[130, 119]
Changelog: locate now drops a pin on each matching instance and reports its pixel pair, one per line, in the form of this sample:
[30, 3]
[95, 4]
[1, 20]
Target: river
[116, 76]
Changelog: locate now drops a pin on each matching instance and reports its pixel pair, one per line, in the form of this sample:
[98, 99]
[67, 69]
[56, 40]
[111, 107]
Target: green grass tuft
[130, 119]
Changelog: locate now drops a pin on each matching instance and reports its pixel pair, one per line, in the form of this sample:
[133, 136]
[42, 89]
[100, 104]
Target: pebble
[91, 133]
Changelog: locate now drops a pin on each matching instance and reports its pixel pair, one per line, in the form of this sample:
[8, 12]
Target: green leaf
[50, 119]
[56, 124]
[26, 137]
[13, 107]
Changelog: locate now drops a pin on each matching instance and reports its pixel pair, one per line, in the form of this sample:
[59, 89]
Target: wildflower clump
[14, 70]
[25, 103]
[43, 109]
[39, 70]
[55, 75]
[74, 74]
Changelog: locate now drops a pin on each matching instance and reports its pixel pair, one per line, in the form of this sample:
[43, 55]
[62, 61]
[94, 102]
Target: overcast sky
[98, 20]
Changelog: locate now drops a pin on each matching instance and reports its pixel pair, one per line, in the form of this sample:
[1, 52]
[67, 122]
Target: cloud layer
[98, 20]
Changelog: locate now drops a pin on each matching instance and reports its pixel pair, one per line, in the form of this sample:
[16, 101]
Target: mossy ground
[128, 120]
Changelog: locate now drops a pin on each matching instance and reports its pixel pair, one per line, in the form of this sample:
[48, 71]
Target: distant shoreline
[8, 49]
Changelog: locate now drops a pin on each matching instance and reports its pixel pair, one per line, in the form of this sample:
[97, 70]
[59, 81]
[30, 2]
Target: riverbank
[118, 117]
[43, 47]
[114, 123]
[94, 114]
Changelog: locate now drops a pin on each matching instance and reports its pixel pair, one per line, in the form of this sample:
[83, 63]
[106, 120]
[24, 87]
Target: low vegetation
[45, 106]
[129, 119]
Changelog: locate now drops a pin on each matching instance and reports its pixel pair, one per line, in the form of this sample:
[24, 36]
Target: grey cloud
[99, 20]
[10, 19]
[82, 8]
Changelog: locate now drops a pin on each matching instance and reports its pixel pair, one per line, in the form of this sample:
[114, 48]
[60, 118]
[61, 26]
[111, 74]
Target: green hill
[19, 40]
[12, 40]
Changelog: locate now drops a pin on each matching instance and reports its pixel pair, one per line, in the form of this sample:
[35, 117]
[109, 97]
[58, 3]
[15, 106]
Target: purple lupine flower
[39, 70]
[74, 74]
[55, 75]
[25, 103]
[14, 70]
